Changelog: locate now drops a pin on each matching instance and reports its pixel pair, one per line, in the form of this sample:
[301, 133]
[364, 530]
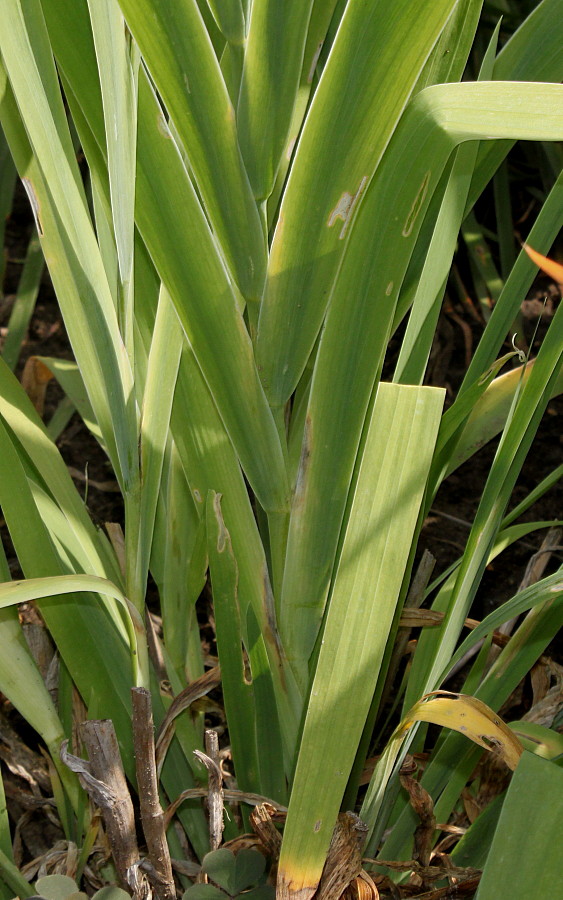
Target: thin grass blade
[24, 303]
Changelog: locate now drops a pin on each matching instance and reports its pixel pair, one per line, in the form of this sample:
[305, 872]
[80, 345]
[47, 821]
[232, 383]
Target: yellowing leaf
[470, 717]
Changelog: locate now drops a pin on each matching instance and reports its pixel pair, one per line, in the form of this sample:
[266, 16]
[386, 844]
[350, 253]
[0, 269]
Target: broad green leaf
[272, 65]
[179, 55]
[23, 420]
[13, 592]
[191, 270]
[68, 241]
[179, 568]
[355, 335]
[321, 15]
[162, 370]
[186, 256]
[532, 54]
[211, 464]
[426, 303]
[448, 59]
[376, 544]
[229, 15]
[366, 83]
[238, 691]
[524, 839]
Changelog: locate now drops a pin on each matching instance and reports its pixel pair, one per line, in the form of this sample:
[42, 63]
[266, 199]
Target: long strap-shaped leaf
[238, 690]
[230, 18]
[211, 464]
[180, 57]
[272, 66]
[513, 448]
[23, 685]
[384, 511]
[118, 64]
[18, 412]
[83, 632]
[67, 235]
[453, 761]
[532, 54]
[356, 333]
[178, 237]
[192, 271]
[372, 69]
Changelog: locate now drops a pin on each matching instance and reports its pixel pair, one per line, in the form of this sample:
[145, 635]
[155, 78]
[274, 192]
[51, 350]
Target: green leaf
[229, 15]
[220, 866]
[69, 244]
[355, 335]
[180, 58]
[11, 876]
[203, 892]
[238, 692]
[250, 865]
[371, 71]
[524, 838]
[192, 270]
[56, 887]
[272, 66]
[376, 544]
[263, 892]
[111, 892]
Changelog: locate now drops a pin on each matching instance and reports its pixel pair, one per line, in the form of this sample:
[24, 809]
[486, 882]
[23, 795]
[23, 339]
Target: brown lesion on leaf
[304, 462]
[345, 207]
[223, 537]
[417, 205]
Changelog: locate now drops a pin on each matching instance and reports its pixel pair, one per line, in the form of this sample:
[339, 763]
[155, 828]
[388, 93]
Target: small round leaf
[249, 868]
[56, 887]
[263, 892]
[203, 892]
[220, 866]
[111, 892]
